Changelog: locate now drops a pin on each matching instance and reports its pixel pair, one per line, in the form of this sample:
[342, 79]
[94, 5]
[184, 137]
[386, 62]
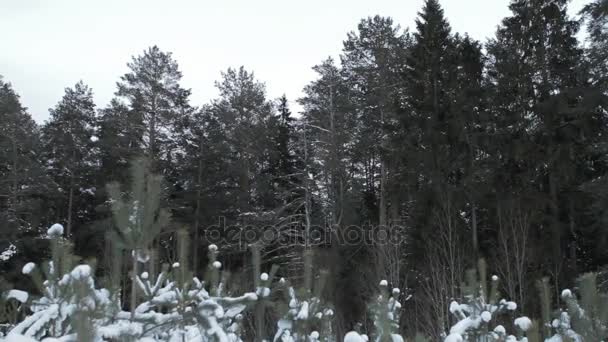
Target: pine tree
[24, 184]
[138, 218]
[200, 191]
[69, 155]
[25, 188]
[373, 58]
[288, 197]
[152, 90]
[596, 14]
[245, 115]
[329, 124]
[120, 134]
[328, 121]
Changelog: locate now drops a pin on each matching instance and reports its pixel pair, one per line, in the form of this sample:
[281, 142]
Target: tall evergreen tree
[290, 201]
[152, 90]
[284, 136]
[245, 115]
[429, 75]
[543, 110]
[596, 14]
[329, 123]
[467, 132]
[372, 59]
[120, 134]
[24, 184]
[203, 193]
[434, 119]
[69, 155]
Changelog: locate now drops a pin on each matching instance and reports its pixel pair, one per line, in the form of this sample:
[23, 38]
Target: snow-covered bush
[477, 314]
[175, 305]
[176, 311]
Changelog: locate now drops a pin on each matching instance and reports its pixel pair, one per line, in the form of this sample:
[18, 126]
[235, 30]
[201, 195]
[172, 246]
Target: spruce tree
[434, 124]
[544, 110]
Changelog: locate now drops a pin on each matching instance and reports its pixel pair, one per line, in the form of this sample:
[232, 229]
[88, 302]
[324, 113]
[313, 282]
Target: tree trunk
[197, 211]
[306, 190]
[70, 206]
[13, 205]
[382, 220]
[71, 193]
[475, 231]
[134, 286]
[152, 128]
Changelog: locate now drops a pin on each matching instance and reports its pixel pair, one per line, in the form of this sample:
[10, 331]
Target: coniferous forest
[431, 188]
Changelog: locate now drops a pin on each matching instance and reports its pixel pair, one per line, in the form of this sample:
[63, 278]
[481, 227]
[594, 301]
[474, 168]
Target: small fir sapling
[138, 217]
[70, 303]
[584, 318]
[386, 312]
[262, 289]
[305, 317]
[480, 308]
[13, 303]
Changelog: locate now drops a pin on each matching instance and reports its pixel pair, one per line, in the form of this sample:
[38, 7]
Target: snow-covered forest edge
[175, 306]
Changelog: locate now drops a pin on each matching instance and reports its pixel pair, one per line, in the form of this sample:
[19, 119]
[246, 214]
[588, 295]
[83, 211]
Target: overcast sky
[48, 45]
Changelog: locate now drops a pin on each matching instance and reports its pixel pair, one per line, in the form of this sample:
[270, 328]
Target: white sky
[48, 45]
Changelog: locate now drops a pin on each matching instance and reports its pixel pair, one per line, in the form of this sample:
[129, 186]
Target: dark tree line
[456, 149]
